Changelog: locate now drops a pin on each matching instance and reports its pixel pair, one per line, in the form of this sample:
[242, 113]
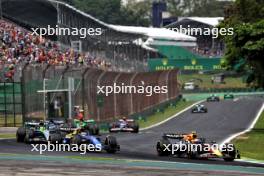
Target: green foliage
[112, 11]
[138, 13]
[207, 8]
[107, 10]
[168, 112]
[251, 144]
[245, 48]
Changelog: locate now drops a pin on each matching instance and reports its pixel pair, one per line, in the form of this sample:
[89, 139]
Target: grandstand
[67, 16]
[99, 60]
[126, 48]
[207, 45]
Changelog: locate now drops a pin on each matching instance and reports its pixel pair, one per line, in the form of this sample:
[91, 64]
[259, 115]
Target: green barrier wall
[185, 64]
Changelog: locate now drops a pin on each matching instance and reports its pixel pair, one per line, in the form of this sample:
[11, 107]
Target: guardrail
[222, 90]
[143, 116]
[202, 96]
[158, 108]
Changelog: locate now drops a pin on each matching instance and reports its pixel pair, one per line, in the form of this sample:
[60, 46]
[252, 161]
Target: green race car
[89, 125]
[229, 96]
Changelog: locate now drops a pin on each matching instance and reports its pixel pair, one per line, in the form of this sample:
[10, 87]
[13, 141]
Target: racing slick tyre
[63, 134]
[110, 130]
[160, 147]
[112, 125]
[111, 144]
[93, 130]
[29, 135]
[135, 128]
[205, 110]
[96, 130]
[192, 154]
[56, 137]
[77, 139]
[230, 155]
[20, 134]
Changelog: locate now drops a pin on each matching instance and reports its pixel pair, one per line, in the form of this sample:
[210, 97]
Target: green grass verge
[160, 116]
[10, 120]
[231, 82]
[251, 144]
[7, 136]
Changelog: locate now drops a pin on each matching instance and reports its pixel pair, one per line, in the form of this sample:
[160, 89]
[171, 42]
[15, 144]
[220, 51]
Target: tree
[245, 49]
[178, 7]
[107, 10]
[206, 8]
[113, 12]
[137, 13]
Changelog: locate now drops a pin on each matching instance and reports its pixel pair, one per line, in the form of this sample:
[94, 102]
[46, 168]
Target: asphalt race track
[223, 119]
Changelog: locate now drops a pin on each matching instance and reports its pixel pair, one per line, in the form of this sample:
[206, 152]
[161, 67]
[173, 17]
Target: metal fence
[86, 80]
[10, 104]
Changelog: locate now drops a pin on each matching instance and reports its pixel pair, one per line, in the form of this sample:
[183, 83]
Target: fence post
[167, 83]
[44, 71]
[63, 75]
[98, 84]
[23, 93]
[115, 108]
[14, 104]
[5, 104]
[131, 98]
[83, 87]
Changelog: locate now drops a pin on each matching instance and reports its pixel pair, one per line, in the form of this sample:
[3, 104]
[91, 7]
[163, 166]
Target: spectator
[18, 45]
[58, 107]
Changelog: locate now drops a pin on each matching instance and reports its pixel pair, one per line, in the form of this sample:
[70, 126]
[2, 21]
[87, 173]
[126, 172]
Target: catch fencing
[85, 92]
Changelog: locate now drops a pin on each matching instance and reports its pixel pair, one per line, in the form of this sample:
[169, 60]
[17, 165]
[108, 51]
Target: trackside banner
[157, 64]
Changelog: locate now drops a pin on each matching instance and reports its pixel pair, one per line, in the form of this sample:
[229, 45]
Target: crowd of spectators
[18, 45]
[208, 52]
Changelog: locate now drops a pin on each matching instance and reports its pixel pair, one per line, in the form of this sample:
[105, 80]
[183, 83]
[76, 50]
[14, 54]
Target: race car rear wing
[173, 135]
[32, 124]
[128, 120]
[68, 129]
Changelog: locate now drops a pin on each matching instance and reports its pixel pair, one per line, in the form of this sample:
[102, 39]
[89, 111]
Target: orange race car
[190, 146]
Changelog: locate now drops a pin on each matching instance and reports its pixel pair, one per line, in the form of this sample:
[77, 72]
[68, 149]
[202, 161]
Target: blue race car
[78, 136]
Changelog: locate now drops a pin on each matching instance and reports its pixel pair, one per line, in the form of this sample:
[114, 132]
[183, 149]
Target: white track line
[173, 116]
[248, 160]
[251, 126]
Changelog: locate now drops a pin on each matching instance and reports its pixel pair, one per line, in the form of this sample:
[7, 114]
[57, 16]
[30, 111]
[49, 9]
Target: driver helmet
[194, 134]
[124, 118]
